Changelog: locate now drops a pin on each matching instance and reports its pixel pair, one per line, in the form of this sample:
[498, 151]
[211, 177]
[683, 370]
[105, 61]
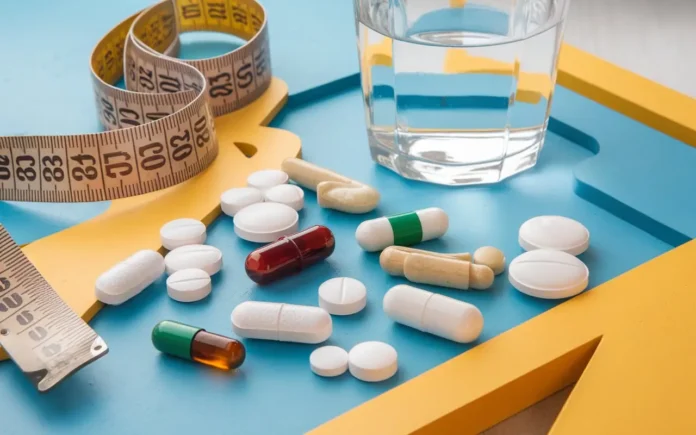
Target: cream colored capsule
[447, 272]
[392, 259]
[334, 191]
[491, 257]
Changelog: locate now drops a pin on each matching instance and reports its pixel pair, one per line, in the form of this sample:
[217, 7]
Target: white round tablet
[342, 296]
[288, 194]
[265, 222]
[554, 232]
[182, 232]
[267, 178]
[548, 274]
[233, 200]
[208, 258]
[329, 361]
[373, 361]
[189, 285]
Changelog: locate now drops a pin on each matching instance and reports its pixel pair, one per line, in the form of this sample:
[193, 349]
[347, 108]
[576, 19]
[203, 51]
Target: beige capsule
[392, 259]
[447, 272]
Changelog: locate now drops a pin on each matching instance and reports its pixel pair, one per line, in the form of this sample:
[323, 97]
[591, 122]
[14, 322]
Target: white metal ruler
[159, 132]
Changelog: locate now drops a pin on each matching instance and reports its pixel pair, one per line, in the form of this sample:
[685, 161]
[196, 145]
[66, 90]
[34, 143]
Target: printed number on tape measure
[42, 335]
[161, 129]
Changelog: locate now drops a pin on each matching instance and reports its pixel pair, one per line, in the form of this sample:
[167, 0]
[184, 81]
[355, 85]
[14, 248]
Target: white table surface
[654, 38]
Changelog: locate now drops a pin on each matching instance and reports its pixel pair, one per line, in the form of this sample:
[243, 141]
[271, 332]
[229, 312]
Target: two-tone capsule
[402, 230]
[197, 344]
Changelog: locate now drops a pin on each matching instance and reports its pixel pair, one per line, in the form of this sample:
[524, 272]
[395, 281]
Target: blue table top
[632, 218]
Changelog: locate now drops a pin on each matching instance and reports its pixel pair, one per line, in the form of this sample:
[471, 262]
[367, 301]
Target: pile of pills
[266, 212]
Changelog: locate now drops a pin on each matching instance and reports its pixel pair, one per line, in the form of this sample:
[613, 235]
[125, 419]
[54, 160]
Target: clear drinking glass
[458, 91]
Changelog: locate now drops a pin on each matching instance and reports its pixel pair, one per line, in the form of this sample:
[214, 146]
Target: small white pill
[281, 322]
[554, 232]
[288, 194]
[267, 178]
[189, 285]
[373, 361]
[182, 232]
[329, 361]
[548, 274]
[233, 200]
[342, 296]
[265, 222]
[402, 230]
[433, 313]
[129, 277]
[208, 258]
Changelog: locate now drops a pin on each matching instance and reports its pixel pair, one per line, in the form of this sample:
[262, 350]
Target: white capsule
[129, 277]
[281, 322]
[433, 313]
[208, 258]
[402, 230]
[182, 232]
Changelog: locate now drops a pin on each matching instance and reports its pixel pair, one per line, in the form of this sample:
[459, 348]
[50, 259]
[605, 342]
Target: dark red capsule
[290, 254]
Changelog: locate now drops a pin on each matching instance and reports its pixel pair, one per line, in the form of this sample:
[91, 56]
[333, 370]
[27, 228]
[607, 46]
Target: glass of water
[458, 91]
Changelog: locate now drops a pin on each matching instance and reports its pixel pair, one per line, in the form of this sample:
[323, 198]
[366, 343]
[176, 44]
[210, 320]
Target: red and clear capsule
[289, 255]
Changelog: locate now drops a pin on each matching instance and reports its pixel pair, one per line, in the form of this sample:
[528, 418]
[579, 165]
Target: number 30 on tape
[160, 130]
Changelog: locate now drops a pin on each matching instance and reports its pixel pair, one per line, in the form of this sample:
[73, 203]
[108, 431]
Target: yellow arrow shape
[638, 332]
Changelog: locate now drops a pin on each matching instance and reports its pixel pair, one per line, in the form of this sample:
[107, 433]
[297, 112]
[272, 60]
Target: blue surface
[136, 390]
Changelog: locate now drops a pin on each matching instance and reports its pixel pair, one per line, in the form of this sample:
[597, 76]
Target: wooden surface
[652, 38]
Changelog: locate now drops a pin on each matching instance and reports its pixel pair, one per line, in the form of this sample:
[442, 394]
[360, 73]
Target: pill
[554, 232]
[197, 344]
[281, 322]
[267, 178]
[129, 277]
[329, 361]
[334, 191]
[433, 313]
[289, 255]
[373, 361]
[287, 194]
[447, 272]
[491, 257]
[265, 222]
[405, 229]
[182, 232]
[233, 200]
[548, 274]
[342, 296]
[208, 258]
[189, 285]
[392, 259]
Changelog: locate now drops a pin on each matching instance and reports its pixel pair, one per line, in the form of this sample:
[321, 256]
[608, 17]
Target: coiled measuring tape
[160, 129]
[160, 132]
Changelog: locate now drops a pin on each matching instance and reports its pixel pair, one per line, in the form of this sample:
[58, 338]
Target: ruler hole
[98, 347]
[246, 148]
[4, 331]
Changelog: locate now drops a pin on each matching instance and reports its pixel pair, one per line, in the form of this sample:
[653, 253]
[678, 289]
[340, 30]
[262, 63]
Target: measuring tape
[44, 337]
[160, 130]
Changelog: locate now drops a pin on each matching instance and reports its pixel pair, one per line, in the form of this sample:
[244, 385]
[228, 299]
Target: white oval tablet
[129, 277]
[288, 194]
[189, 285]
[208, 258]
[265, 222]
[342, 296]
[182, 232]
[554, 232]
[281, 322]
[233, 200]
[548, 274]
[329, 361]
[267, 178]
[373, 361]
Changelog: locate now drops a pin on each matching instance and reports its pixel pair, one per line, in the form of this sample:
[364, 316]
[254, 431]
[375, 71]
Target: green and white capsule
[402, 230]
